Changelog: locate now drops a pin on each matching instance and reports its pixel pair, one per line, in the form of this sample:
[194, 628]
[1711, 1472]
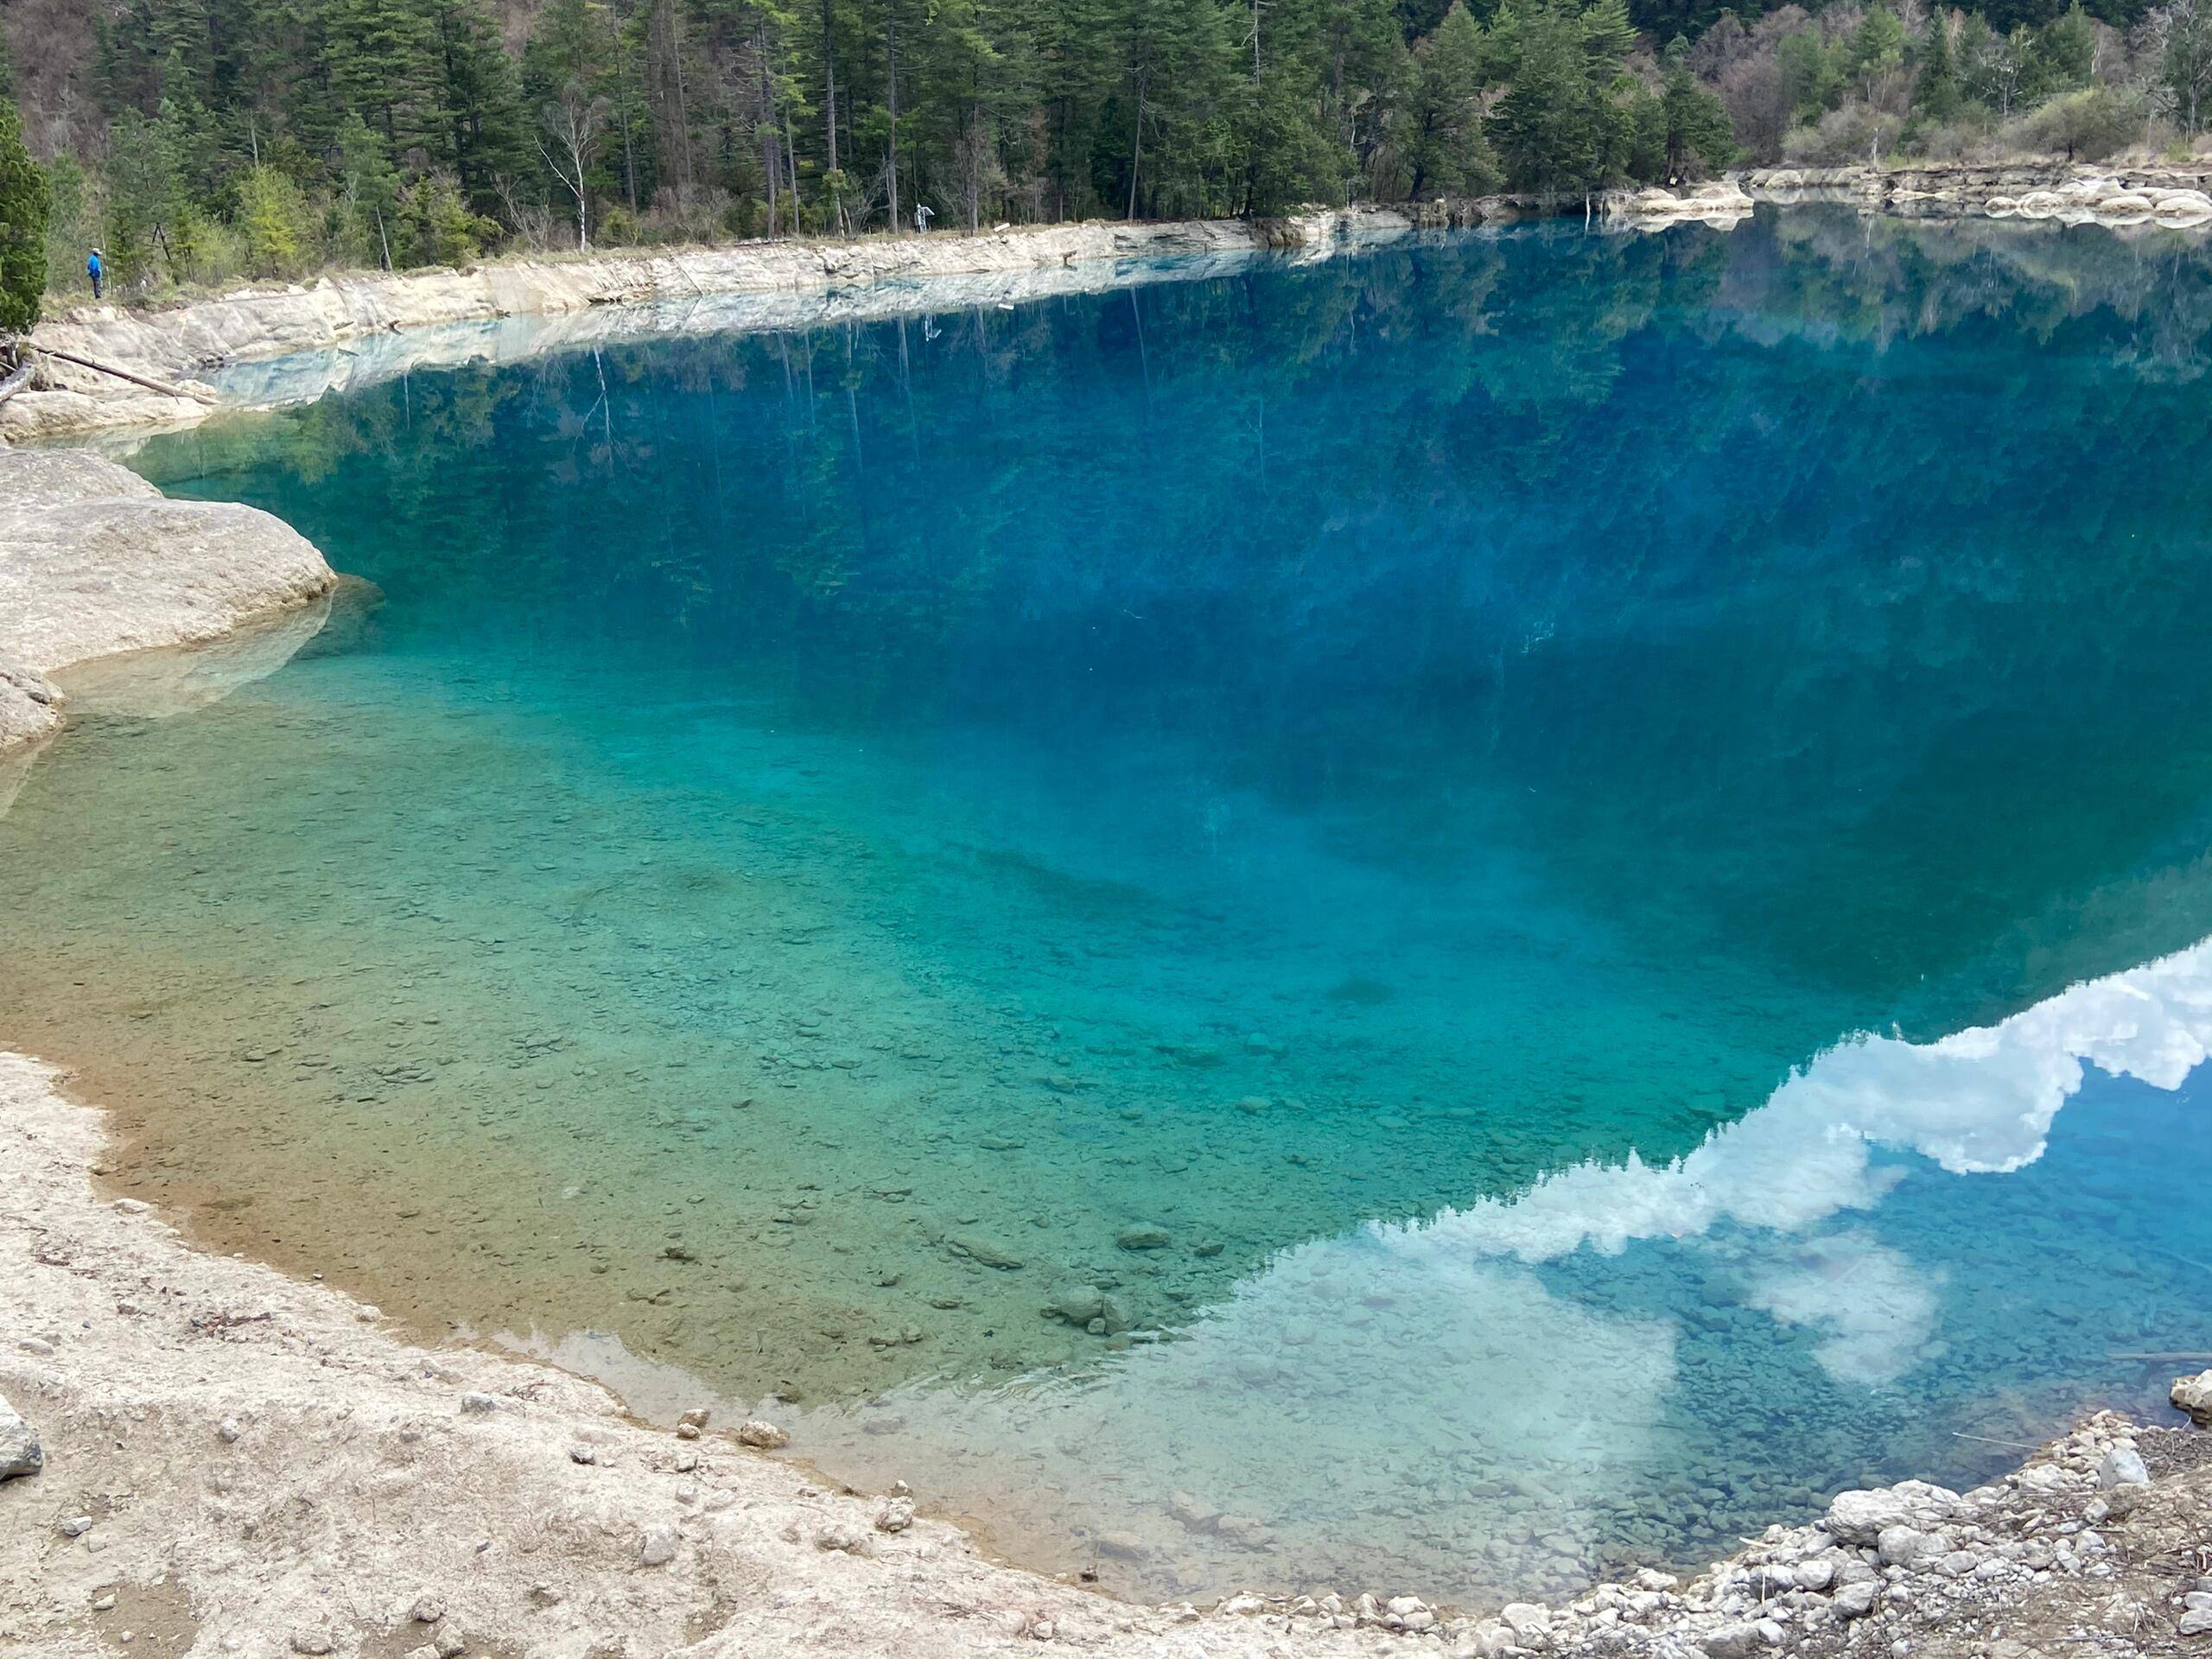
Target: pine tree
[1936, 90]
[381, 58]
[1697, 134]
[273, 215]
[370, 190]
[1557, 129]
[1438, 130]
[25, 201]
[1876, 48]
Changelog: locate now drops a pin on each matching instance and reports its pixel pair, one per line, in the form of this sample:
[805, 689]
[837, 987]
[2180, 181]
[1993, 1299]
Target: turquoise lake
[1442, 921]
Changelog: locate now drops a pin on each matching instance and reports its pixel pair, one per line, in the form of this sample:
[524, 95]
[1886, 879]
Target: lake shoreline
[237, 1458]
[371, 325]
[815, 279]
[424, 1496]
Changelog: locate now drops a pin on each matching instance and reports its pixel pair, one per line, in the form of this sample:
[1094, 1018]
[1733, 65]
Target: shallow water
[1264, 815]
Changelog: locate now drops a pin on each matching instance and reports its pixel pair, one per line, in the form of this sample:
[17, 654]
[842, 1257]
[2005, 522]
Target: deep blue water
[1558, 876]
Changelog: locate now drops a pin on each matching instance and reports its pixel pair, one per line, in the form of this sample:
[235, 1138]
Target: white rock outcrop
[96, 562]
[1721, 203]
[2194, 1395]
[793, 280]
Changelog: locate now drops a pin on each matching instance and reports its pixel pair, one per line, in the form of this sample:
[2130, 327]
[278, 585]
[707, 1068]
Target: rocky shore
[343, 330]
[209, 1457]
[794, 282]
[2177, 197]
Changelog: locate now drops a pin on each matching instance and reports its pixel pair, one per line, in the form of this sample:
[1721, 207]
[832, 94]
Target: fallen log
[163, 387]
[20, 378]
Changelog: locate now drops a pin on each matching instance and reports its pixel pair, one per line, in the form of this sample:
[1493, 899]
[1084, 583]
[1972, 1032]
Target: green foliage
[2088, 124]
[2064, 53]
[1438, 126]
[437, 228]
[1291, 159]
[2185, 65]
[1812, 75]
[369, 192]
[266, 135]
[1694, 131]
[276, 221]
[1936, 91]
[1558, 128]
[1876, 49]
[25, 200]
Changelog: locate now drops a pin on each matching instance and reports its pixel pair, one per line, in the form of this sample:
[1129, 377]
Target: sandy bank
[238, 1463]
[797, 281]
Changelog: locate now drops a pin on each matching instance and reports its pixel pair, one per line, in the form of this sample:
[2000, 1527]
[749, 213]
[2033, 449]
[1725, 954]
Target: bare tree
[975, 168]
[572, 122]
[2179, 39]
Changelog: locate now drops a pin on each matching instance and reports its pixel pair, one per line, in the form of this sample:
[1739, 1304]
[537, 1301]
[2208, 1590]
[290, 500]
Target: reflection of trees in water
[1832, 588]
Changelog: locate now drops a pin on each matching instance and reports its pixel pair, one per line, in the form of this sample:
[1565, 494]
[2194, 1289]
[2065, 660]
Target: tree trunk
[790, 159]
[891, 55]
[1136, 154]
[829, 84]
[770, 156]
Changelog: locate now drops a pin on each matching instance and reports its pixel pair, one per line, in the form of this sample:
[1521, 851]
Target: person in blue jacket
[97, 272]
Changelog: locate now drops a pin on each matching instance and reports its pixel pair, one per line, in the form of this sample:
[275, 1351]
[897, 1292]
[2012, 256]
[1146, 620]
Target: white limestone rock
[2194, 1395]
[95, 562]
[1859, 1517]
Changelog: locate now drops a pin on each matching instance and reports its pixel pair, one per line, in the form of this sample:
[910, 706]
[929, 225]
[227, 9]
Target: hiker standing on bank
[97, 272]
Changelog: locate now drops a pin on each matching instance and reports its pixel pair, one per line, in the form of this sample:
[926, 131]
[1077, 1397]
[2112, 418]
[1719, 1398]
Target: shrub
[438, 229]
[25, 200]
[277, 222]
[1853, 133]
[2087, 126]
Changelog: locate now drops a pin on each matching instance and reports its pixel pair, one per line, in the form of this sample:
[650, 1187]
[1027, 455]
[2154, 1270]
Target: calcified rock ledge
[235, 1462]
[788, 283]
[2173, 197]
[95, 562]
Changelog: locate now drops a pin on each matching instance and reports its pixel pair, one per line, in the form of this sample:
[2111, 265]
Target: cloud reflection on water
[1535, 1386]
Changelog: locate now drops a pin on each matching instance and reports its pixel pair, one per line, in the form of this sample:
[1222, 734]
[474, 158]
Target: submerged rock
[1146, 1237]
[983, 1250]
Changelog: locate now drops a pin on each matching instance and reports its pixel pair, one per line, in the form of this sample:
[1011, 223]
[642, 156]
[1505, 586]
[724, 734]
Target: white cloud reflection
[1428, 1393]
[1978, 1101]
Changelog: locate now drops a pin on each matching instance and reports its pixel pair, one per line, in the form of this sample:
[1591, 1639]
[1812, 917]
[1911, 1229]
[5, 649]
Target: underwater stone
[984, 1251]
[1143, 1238]
[1078, 1303]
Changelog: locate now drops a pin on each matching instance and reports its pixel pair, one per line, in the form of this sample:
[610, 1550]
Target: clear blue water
[1496, 909]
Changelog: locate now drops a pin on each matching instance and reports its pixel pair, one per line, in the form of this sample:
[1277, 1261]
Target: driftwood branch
[20, 377]
[161, 387]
